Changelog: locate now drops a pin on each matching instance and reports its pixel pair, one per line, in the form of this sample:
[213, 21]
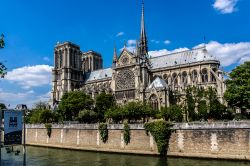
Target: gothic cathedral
[134, 76]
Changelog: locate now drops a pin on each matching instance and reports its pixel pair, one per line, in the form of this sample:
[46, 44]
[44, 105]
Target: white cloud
[30, 76]
[230, 53]
[227, 53]
[130, 45]
[165, 52]
[120, 34]
[167, 42]
[46, 59]
[155, 41]
[225, 6]
[27, 98]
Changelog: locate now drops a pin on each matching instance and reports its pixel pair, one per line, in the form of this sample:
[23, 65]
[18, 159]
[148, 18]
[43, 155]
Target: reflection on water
[37, 156]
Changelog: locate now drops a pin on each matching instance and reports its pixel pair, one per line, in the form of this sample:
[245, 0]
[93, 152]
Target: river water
[38, 156]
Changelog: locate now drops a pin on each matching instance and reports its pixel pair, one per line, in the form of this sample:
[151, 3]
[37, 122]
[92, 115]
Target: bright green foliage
[103, 129]
[48, 128]
[87, 116]
[126, 133]
[103, 103]
[172, 113]
[72, 103]
[161, 131]
[115, 113]
[136, 111]
[41, 116]
[238, 87]
[202, 110]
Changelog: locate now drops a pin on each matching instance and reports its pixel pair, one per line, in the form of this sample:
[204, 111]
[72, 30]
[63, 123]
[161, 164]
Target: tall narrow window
[204, 75]
[154, 102]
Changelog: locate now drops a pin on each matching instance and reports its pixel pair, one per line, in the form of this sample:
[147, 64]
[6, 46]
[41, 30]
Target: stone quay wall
[222, 140]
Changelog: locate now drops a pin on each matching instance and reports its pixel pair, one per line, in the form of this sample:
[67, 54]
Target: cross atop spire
[143, 37]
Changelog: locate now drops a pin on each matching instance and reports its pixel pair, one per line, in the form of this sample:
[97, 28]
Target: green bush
[172, 113]
[103, 129]
[87, 116]
[161, 131]
[126, 133]
[48, 128]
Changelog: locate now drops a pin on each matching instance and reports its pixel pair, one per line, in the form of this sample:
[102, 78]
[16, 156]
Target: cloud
[120, 34]
[130, 45]
[30, 76]
[155, 41]
[165, 52]
[167, 42]
[225, 6]
[230, 53]
[29, 98]
[227, 53]
[131, 42]
[46, 59]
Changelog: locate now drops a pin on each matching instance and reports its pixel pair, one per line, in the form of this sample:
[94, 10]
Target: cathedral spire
[115, 55]
[143, 37]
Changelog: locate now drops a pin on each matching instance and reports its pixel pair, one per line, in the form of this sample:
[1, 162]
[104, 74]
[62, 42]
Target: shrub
[49, 129]
[126, 133]
[161, 131]
[103, 129]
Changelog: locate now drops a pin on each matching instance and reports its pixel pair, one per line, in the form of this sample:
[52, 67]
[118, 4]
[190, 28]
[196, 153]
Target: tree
[72, 103]
[103, 103]
[87, 116]
[238, 87]
[172, 113]
[2, 66]
[2, 106]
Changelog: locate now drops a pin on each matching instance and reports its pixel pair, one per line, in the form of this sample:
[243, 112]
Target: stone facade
[134, 76]
[222, 140]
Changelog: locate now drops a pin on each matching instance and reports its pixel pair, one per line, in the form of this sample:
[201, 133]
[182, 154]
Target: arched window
[60, 59]
[154, 102]
[194, 76]
[165, 77]
[204, 75]
[175, 80]
[184, 78]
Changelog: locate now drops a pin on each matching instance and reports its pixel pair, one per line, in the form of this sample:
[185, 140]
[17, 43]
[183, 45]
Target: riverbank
[218, 140]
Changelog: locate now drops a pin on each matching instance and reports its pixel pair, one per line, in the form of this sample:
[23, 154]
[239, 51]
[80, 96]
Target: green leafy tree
[115, 114]
[87, 116]
[103, 103]
[238, 87]
[72, 103]
[172, 113]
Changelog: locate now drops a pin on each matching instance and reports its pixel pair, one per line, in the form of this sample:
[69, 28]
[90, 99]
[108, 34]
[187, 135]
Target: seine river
[37, 156]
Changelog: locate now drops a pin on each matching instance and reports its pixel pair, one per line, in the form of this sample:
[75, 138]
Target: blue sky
[32, 29]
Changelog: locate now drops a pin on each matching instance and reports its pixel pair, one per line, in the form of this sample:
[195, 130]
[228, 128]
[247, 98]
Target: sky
[32, 28]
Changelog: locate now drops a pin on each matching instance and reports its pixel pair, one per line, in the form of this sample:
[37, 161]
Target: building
[134, 75]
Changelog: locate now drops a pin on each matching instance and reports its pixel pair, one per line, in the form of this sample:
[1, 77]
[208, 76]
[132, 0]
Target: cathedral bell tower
[67, 73]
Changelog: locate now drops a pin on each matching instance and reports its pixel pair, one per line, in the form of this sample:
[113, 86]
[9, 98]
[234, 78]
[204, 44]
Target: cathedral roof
[99, 74]
[158, 83]
[181, 58]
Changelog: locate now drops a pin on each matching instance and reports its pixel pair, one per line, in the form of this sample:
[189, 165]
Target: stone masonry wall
[230, 140]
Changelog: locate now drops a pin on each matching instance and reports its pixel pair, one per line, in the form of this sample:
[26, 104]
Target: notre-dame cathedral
[134, 76]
